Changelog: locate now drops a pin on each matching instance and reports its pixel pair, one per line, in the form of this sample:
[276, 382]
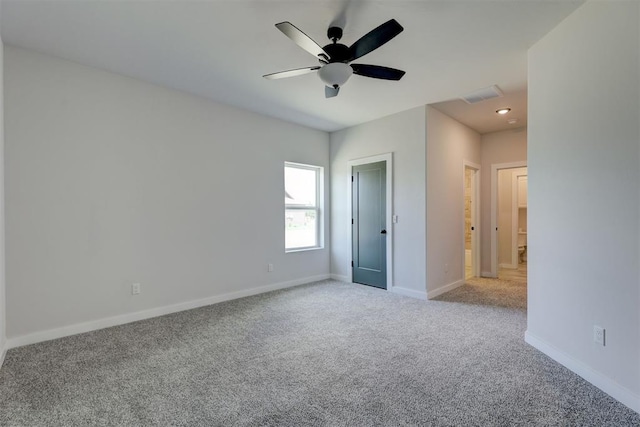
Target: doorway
[370, 215]
[471, 244]
[509, 219]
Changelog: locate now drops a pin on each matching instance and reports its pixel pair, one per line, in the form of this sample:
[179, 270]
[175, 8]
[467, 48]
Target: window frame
[318, 207]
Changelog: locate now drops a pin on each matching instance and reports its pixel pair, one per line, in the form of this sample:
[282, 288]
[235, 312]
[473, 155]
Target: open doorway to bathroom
[510, 240]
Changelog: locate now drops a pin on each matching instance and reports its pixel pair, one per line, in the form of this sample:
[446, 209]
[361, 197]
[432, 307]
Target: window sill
[289, 251]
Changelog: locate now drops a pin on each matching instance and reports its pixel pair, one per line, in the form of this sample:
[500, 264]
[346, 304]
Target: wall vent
[482, 94]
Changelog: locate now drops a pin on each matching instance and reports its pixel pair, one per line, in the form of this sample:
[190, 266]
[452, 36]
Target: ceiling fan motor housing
[334, 33]
[337, 52]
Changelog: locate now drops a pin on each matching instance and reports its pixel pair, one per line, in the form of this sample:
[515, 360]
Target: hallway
[508, 290]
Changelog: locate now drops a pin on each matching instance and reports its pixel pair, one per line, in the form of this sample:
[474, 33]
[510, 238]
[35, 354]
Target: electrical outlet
[599, 335]
[135, 289]
[269, 268]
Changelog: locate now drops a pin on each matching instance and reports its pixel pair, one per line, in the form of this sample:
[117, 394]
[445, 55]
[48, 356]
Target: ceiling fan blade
[290, 73]
[377, 72]
[330, 92]
[374, 39]
[301, 39]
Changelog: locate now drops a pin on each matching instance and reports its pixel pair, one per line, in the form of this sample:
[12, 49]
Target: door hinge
[351, 263]
[351, 178]
[351, 221]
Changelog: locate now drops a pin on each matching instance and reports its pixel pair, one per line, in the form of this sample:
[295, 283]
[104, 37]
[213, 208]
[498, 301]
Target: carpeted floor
[324, 354]
[490, 292]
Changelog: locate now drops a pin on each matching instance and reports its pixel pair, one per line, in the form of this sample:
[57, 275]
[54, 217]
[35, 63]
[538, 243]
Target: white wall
[403, 134]
[584, 140]
[112, 181]
[449, 143]
[2, 263]
[497, 147]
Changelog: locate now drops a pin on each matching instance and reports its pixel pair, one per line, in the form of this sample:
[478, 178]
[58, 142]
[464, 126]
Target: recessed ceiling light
[503, 110]
[512, 121]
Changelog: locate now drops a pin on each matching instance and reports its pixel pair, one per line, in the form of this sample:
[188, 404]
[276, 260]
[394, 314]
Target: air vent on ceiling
[482, 94]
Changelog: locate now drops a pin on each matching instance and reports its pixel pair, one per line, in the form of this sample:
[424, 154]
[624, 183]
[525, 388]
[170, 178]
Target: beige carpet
[489, 292]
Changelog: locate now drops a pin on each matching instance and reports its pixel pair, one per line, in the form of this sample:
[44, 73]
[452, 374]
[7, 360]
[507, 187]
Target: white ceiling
[482, 116]
[220, 49]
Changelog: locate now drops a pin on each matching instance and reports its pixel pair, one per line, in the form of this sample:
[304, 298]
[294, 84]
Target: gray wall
[112, 181]
[403, 134]
[2, 256]
[496, 147]
[449, 143]
[584, 139]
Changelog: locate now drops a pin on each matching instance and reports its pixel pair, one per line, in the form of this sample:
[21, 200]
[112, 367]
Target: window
[302, 195]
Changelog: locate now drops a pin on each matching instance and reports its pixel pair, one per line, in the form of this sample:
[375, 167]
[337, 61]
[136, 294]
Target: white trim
[444, 289]
[3, 353]
[319, 207]
[604, 383]
[341, 278]
[494, 209]
[408, 292]
[515, 217]
[107, 322]
[475, 219]
[486, 274]
[388, 158]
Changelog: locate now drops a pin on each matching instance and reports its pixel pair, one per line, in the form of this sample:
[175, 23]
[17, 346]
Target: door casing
[475, 215]
[494, 211]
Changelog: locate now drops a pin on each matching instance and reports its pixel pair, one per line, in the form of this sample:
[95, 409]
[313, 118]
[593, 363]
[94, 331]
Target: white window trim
[319, 170]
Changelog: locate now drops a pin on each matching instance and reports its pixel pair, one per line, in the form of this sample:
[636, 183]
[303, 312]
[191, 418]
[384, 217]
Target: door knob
[473, 228]
[383, 232]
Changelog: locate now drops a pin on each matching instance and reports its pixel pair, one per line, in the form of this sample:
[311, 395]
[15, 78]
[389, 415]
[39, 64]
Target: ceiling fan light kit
[335, 57]
[335, 74]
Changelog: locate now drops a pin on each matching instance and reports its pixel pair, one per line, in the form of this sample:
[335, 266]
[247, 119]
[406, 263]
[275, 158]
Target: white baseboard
[443, 289]
[3, 353]
[488, 274]
[341, 278]
[604, 383]
[93, 325]
[408, 292]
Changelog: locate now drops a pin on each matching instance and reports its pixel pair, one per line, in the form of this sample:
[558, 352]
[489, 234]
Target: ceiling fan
[334, 58]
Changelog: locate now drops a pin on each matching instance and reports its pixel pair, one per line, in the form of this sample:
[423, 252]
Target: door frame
[475, 215]
[515, 218]
[495, 167]
[388, 158]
